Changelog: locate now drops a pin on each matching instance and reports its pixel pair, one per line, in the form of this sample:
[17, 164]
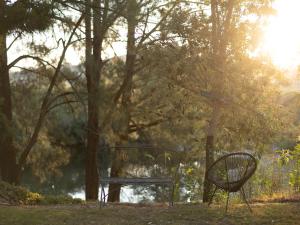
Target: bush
[59, 199]
[13, 194]
[33, 198]
[19, 195]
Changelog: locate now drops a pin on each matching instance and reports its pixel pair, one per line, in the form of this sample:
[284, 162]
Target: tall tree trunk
[209, 146]
[219, 44]
[93, 77]
[8, 166]
[209, 150]
[92, 176]
[118, 160]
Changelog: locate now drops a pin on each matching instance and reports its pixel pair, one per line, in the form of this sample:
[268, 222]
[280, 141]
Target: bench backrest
[153, 159]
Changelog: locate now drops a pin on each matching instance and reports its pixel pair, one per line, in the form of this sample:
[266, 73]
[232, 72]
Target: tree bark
[209, 151]
[8, 166]
[114, 190]
[93, 72]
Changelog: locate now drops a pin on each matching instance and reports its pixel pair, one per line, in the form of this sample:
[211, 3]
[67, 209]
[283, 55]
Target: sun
[282, 34]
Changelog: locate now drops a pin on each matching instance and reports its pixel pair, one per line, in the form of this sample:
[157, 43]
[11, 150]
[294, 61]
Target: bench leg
[171, 195]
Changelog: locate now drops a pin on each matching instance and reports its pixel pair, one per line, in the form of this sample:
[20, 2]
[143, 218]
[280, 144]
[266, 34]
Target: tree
[137, 16]
[104, 16]
[218, 45]
[22, 17]
[224, 38]
[234, 90]
[116, 168]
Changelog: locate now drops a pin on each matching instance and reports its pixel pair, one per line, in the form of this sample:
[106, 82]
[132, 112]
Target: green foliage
[26, 15]
[50, 158]
[292, 157]
[191, 179]
[62, 132]
[284, 156]
[262, 180]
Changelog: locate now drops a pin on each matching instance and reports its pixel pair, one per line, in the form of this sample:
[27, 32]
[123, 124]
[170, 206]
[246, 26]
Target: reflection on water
[72, 182]
[72, 178]
[127, 195]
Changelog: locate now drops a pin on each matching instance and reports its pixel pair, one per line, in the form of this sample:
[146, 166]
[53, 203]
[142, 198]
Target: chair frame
[240, 183]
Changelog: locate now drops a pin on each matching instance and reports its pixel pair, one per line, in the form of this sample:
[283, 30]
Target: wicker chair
[230, 173]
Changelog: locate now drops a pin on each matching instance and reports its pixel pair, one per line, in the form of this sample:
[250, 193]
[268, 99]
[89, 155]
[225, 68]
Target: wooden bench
[165, 181]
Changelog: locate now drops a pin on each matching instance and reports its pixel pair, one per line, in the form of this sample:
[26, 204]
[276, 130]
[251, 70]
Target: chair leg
[227, 201]
[212, 196]
[244, 197]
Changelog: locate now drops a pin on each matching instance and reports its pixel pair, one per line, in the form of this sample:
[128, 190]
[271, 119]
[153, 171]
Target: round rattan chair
[230, 173]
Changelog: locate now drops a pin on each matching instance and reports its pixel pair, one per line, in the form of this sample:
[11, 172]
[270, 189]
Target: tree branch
[13, 41]
[59, 96]
[13, 63]
[156, 26]
[138, 127]
[43, 111]
[59, 104]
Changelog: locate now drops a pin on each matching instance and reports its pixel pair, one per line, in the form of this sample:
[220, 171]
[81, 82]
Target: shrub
[33, 198]
[13, 194]
[59, 199]
[19, 195]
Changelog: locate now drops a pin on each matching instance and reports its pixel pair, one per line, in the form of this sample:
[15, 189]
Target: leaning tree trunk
[123, 133]
[8, 166]
[114, 190]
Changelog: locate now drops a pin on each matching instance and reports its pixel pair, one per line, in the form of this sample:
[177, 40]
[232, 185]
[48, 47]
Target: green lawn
[272, 213]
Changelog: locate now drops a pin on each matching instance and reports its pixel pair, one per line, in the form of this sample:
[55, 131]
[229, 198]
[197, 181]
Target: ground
[180, 214]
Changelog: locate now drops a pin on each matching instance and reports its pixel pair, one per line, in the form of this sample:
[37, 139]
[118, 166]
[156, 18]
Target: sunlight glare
[282, 35]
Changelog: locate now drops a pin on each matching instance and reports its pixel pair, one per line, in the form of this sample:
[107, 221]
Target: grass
[278, 197]
[182, 214]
